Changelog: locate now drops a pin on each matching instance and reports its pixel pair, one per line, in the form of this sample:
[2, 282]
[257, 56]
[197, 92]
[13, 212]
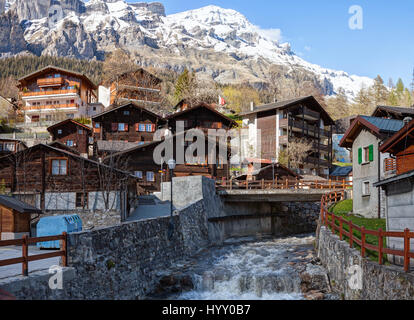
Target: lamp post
[171, 166]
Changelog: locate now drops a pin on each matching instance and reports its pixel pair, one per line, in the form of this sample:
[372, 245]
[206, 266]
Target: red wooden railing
[337, 223]
[390, 164]
[25, 258]
[283, 184]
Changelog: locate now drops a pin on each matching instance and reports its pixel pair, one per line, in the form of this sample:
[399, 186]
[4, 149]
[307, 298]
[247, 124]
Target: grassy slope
[344, 208]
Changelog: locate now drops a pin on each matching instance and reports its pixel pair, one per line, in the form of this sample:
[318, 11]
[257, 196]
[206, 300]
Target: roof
[400, 111]
[286, 104]
[407, 175]
[341, 171]
[278, 165]
[158, 80]
[60, 145]
[378, 126]
[125, 105]
[391, 145]
[66, 122]
[115, 146]
[19, 206]
[202, 105]
[61, 70]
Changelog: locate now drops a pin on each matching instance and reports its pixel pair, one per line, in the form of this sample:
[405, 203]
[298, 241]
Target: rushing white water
[263, 270]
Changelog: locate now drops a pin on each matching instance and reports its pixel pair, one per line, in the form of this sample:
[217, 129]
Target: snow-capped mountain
[218, 43]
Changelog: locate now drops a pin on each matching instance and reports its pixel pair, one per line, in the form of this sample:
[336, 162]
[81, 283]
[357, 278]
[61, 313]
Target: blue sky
[318, 30]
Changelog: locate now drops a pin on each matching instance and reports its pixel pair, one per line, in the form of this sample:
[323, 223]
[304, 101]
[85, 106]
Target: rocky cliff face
[220, 44]
[11, 35]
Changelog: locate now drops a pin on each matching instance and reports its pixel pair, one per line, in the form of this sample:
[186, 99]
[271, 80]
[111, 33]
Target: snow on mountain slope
[230, 47]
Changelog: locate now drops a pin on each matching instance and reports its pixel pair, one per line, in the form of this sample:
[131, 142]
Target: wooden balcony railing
[50, 82]
[48, 93]
[357, 235]
[311, 130]
[25, 258]
[54, 106]
[390, 165]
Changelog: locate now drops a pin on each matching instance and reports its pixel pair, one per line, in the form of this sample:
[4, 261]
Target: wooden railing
[337, 223]
[54, 106]
[50, 81]
[47, 93]
[283, 184]
[25, 258]
[390, 164]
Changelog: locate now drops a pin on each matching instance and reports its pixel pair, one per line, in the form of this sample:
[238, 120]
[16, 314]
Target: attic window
[59, 167]
[60, 131]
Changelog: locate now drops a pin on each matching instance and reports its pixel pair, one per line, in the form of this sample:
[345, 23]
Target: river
[243, 269]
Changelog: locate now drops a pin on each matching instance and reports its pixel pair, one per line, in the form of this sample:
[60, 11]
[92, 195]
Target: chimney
[252, 106]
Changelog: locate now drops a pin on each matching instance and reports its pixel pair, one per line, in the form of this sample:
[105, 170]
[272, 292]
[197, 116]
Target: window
[69, 143]
[126, 113]
[366, 155]
[1, 147]
[9, 147]
[150, 127]
[60, 131]
[150, 176]
[122, 127]
[48, 117]
[90, 140]
[59, 167]
[141, 128]
[138, 174]
[80, 131]
[81, 200]
[365, 189]
[97, 125]
[70, 116]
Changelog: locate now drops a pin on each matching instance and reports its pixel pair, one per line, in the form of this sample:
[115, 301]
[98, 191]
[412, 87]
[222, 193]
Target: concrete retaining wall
[376, 282]
[120, 262]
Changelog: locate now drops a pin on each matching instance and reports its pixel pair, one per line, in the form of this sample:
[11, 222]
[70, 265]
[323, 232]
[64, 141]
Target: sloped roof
[401, 111]
[396, 143]
[125, 105]
[62, 123]
[115, 146]
[19, 206]
[341, 171]
[380, 127]
[205, 106]
[61, 70]
[286, 104]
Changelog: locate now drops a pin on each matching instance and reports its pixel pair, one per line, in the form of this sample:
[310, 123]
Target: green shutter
[360, 155]
[371, 153]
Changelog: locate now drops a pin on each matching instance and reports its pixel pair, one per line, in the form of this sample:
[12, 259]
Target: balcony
[53, 107]
[314, 160]
[50, 82]
[299, 126]
[49, 93]
[308, 114]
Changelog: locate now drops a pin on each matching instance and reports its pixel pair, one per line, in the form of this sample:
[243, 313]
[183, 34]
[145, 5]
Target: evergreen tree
[400, 88]
[379, 91]
[393, 98]
[185, 86]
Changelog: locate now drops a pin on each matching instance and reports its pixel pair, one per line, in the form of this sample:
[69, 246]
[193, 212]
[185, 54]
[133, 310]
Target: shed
[15, 218]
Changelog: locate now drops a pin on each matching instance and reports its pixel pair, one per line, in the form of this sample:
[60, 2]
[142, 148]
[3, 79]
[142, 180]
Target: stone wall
[377, 282]
[119, 262]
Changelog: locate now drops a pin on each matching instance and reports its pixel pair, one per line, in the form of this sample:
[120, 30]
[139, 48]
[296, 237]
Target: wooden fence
[283, 184]
[25, 258]
[336, 224]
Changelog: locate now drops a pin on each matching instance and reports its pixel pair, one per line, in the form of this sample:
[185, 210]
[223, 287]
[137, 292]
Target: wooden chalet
[55, 180]
[8, 146]
[139, 161]
[129, 122]
[138, 86]
[202, 116]
[73, 134]
[15, 217]
[266, 173]
[282, 122]
[53, 94]
[397, 113]
[401, 146]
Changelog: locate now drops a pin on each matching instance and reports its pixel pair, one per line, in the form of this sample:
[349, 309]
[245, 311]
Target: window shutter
[137, 127]
[360, 155]
[153, 128]
[126, 127]
[114, 127]
[371, 153]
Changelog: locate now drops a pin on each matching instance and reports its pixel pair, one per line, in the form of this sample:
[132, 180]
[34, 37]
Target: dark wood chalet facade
[281, 123]
[388, 112]
[8, 146]
[55, 180]
[73, 134]
[138, 86]
[202, 116]
[129, 123]
[139, 161]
